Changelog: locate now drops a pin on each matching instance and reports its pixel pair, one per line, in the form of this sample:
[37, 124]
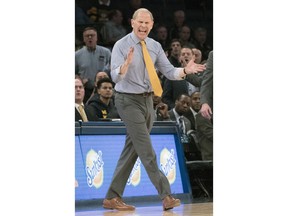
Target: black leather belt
[144, 94]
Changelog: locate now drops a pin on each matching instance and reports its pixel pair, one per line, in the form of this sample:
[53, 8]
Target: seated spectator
[200, 42]
[80, 16]
[161, 109]
[162, 36]
[113, 30]
[99, 75]
[193, 80]
[198, 56]
[175, 47]
[194, 108]
[182, 106]
[128, 7]
[102, 106]
[81, 112]
[179, 19]
[98, 10]
[185, 37]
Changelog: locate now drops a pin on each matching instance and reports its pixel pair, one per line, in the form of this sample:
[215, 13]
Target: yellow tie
[155, 82]
[82, 113]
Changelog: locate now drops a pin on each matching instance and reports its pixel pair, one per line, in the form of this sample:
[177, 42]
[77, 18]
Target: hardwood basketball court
[194, 209]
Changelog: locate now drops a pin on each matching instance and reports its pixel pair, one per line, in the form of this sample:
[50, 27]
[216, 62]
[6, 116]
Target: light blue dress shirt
[136, 80]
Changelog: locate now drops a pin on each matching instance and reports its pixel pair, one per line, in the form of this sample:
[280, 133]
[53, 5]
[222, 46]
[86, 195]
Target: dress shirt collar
[193, 111]
[77, 105]
[177, 116]
[136, 39]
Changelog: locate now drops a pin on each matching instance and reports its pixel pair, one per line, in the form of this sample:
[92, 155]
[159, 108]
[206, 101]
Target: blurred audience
[200, 42]
[162, 36]
[91, 59]
[179, 20]
[185, 37]
[97, 10]
[113, 30]
[81, 17]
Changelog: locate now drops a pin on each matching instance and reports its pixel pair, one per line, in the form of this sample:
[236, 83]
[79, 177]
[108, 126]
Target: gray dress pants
[137, 113]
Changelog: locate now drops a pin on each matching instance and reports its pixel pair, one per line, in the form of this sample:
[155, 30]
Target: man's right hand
[127, 62]
[206, 111]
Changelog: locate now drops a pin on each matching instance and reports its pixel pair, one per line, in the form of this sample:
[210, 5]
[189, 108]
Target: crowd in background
[191, 21]
[184, 30]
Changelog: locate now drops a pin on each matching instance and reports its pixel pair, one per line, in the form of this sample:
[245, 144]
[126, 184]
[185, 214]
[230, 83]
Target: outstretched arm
[193, 68]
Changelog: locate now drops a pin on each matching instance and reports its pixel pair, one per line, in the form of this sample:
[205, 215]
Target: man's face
[198, 55]
[79, 91]
[186, 55]
[90, 38]
[175, 48]
[184, 34]
[162, 33]
[105, 90]
[200, 36]
[182, 105]
[142, 25]
[195, 101]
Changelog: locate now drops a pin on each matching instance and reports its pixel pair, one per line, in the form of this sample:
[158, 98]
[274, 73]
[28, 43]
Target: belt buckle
[146, 94]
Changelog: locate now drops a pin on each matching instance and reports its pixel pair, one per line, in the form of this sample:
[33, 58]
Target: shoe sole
[109, 207]
[168, 208]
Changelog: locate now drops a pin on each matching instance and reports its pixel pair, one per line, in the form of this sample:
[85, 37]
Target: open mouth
[141, 31]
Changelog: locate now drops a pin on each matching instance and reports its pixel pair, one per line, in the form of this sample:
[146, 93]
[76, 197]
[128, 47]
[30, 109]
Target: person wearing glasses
[91, 59]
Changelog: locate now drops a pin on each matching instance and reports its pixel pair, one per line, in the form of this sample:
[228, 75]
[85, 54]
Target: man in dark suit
[182, 106]
[204, 119]
[81, 113]
[194, 108]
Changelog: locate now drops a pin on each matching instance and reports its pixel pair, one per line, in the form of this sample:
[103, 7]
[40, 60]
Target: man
[103, 106]
[194, 108]
[81, 113]
[207, 89]
[98, 76]
[175, 47]
[134, 103]
[113, 29]
[182, 107]
[162, 36]
[179, 19]
[198, 55]
[91, 59]
[204, 119]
